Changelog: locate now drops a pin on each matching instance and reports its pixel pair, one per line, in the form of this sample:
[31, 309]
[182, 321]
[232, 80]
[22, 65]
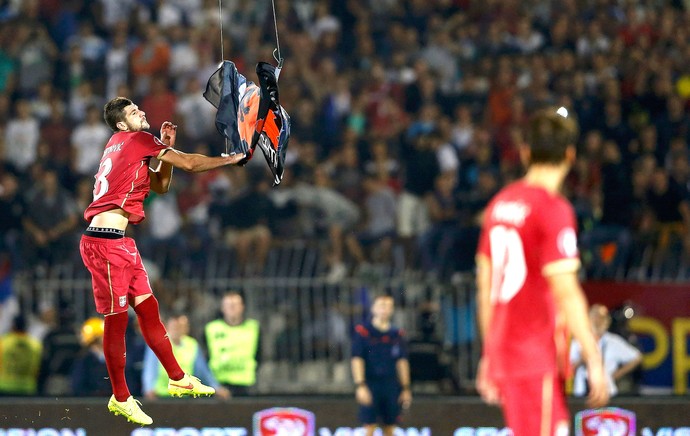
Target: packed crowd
[407, 116]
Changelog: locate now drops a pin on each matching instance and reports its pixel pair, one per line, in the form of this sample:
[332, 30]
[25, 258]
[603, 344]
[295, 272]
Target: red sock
[114, 348]
[156, 336]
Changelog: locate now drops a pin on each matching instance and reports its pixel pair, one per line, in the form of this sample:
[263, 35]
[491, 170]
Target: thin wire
[220, 20]
[275, 25]
[222, 56]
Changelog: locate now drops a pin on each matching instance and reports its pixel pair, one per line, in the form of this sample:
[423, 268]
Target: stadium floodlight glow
[562, 112]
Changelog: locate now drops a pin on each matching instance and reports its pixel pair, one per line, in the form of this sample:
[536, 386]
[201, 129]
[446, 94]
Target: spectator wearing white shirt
[594, 41]
[462, 133]
[21, 137]
[197, 115]
[163, 243]
[93, 47]
[323, 21]
[527, 39]
[87, 142]
[116, 63]
[35, 58]
[377, 229]
[81, 98]
[41, 104]
[446, 153]
[113, 13]
[620, 358]
[184, 58]
[439, 54]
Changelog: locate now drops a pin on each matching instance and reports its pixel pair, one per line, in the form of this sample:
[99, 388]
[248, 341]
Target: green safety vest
[232, 351]
[185, 353]
[20, 361]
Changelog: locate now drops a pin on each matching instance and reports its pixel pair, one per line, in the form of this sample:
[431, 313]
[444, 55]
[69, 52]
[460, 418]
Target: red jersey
[123, 178]
[528, 233]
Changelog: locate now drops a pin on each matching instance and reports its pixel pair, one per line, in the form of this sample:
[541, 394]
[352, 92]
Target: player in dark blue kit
[380, 369]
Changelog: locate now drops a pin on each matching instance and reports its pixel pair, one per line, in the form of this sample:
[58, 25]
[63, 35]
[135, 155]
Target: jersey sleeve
[404, 354]
[483, 247]
[149, 145]
[358, 341]
[559, 251]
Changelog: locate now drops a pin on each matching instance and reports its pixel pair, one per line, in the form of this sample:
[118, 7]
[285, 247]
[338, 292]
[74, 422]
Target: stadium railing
[306, 320]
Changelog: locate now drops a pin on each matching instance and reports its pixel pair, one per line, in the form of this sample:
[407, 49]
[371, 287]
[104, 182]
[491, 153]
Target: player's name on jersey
[511, 212]
[113, 148]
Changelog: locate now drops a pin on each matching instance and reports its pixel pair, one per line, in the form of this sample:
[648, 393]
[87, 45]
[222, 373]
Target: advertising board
[329, 416]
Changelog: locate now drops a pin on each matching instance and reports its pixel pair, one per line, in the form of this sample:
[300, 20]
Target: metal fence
[306, 321]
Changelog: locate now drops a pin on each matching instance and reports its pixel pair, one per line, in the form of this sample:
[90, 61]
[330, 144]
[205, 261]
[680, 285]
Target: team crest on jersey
[567, 242]
[122, 300]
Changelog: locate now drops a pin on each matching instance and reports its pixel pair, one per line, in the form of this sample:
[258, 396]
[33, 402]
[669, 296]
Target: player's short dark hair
[549, 134]
[114, 111]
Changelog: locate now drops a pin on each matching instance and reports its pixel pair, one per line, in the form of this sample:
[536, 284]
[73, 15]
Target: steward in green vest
[185, 352]
[233, 346]
[20, 361]
[188, 354]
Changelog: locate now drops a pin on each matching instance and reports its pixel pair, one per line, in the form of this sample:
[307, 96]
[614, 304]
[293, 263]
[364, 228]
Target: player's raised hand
[233, 159]
[168, 133]
[598, 385]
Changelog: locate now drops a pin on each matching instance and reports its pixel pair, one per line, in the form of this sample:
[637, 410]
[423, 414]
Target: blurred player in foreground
[119, 279]
[527, 264]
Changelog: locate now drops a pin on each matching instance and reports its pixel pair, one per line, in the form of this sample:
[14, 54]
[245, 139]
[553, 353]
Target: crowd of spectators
[407, 116]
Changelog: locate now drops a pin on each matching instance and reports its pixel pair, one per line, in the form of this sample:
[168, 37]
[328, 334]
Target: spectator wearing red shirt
[160, 103]
[150, 58]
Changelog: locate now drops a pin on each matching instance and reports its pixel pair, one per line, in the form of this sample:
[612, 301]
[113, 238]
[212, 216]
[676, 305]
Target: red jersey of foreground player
[528, 232]
[527, 263]
[123, 179]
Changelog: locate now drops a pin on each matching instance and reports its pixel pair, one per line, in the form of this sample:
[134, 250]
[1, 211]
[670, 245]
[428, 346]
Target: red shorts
[535, 406]
[117, 273]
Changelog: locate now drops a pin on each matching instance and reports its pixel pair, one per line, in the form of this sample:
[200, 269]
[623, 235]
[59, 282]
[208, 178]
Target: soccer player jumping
[527, 263]
[119, 279]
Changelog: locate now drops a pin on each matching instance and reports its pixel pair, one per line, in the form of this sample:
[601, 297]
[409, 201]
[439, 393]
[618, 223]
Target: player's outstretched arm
[572, 303]
[197, 163]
